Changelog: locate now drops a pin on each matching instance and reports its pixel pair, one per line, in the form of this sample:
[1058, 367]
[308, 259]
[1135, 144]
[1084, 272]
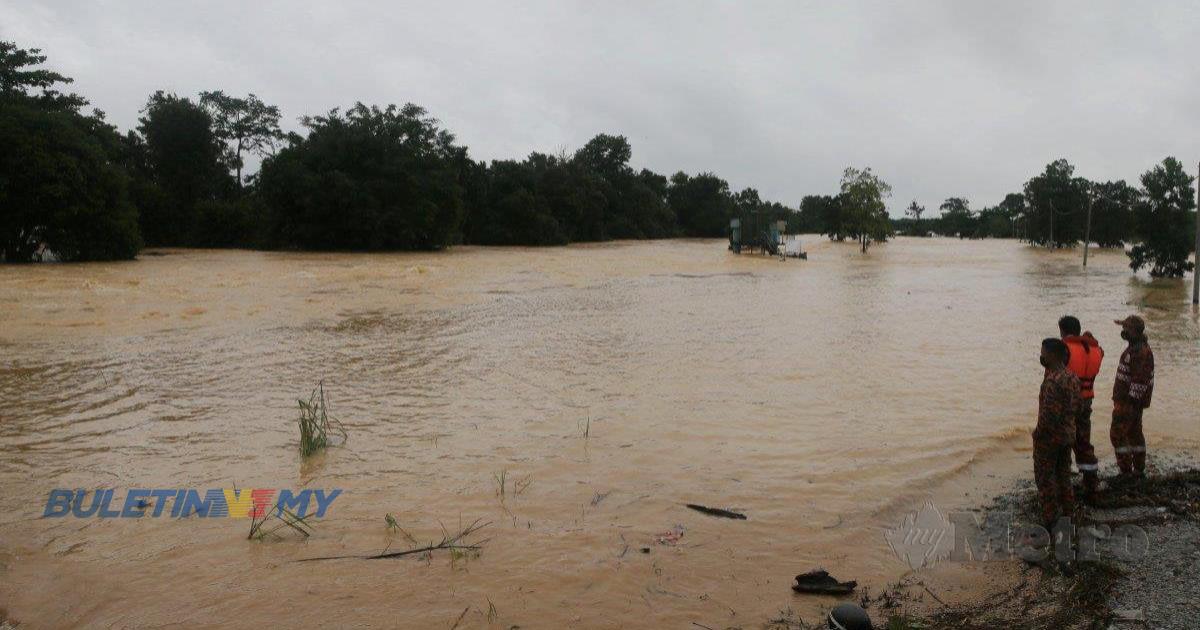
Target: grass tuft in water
[315, 422]
[284, 519]
[501, 482]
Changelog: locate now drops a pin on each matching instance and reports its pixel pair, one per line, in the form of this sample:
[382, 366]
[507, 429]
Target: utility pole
[1196, 269]
[1051, 225]
[1087, 234]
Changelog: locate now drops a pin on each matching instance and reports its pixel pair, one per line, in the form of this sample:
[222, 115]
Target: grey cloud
[941, 98]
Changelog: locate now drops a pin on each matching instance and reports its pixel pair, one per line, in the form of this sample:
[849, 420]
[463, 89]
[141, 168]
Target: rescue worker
[1058, 406]
[1132, 390]
[1086, 356]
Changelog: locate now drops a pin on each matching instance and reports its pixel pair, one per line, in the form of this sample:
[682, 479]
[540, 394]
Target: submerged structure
[764, 232]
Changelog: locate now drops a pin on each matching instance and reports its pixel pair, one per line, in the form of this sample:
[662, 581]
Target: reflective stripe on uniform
[1137, 449]
[1088, 467]
[1121, 450]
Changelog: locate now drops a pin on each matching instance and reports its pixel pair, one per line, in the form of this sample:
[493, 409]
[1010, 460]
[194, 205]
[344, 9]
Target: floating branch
[716, 512]
[453, 543]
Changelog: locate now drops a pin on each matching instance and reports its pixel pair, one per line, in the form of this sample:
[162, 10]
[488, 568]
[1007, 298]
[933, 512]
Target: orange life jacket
[1086, 356]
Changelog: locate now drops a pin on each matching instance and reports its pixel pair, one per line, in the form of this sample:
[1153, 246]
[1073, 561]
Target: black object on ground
[849, 617]
[819, 582]
[716, 512]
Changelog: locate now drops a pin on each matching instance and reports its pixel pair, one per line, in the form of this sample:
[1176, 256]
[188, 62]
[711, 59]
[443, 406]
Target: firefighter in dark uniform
[1132, 391]
[1054, 437]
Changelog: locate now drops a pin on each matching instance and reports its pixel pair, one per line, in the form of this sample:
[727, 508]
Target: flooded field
[614, 382]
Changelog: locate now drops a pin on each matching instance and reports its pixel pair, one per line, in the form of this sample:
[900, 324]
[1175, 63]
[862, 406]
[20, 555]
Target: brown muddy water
[822, 398]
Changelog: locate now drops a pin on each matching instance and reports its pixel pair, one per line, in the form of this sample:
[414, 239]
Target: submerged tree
[810, 216]
[1057, 205]
[1112, 213]
[372, 178]
[957, 218]
[61, 180]
[637, 205]
[1014, 209]
[826, 212]
[543, 200]
[864, 213]
[184, 159]
[914, 211]
[1165, 221]
[702, 204]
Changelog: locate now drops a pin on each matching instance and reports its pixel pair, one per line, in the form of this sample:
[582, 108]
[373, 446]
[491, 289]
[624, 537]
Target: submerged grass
[315, 422]
[501, 483]
[394, 526]
[284, 518]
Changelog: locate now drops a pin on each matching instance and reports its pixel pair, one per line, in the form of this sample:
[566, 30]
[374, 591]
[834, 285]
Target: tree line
[392, 178]
[363, 178]
[1157, 219]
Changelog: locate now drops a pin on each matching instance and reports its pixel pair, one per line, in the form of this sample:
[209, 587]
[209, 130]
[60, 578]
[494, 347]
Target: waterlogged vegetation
[282, 519]
[316, 425]
[1052, 210]
[457, 543]
[390, 177]
[367, 177]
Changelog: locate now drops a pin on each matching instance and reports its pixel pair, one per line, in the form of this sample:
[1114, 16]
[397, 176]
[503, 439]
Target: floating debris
[454, 543]
[819, 582]
[717, 512]
[669, 537]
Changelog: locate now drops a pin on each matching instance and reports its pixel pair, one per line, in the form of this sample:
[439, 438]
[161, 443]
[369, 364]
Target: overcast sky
[942, 99]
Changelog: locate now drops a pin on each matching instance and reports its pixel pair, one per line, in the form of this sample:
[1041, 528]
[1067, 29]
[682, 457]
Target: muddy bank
[1156, 584]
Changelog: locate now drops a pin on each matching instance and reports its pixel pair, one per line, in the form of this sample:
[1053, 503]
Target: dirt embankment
[1155, 584]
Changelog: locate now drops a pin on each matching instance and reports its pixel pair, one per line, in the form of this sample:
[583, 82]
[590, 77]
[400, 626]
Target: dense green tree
[646, 203]
[1112, 213]
[864, 215]
[62, 185]
[590, 195]
[637, 205]
[993, 222]
[244, 124]
[957, 218]
[23, 82]
[371, 178]
[577, 198]
[702, 204]
[1165, 221]
[607, 155]
[828, 211]
[229, 223]
[811, 216]
[747, 200]
[183, 155]
[1015, 209]
[1057, 205]
[518, 209]
[914, 212]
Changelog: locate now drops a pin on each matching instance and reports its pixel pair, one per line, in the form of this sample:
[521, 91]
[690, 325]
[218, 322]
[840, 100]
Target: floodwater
[608, 384]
